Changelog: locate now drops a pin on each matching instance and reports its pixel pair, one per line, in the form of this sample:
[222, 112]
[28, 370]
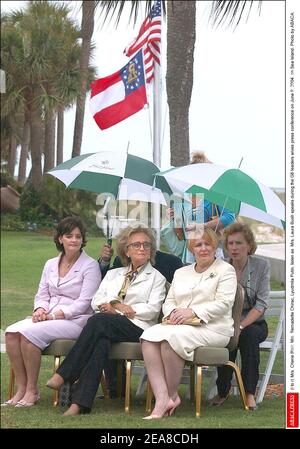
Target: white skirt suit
[72, 294]
[211, 296]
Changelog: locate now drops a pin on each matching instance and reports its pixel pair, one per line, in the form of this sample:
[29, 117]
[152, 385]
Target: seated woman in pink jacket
[62, 307]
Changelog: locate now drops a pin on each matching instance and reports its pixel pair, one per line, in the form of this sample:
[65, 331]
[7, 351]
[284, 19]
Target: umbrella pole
[227, 199]
[106, 215]
[223, 207]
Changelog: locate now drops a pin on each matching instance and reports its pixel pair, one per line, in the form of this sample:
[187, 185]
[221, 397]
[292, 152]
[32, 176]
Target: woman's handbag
[194, 321]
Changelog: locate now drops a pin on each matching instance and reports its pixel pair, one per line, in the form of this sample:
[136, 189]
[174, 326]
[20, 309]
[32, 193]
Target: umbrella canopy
[230, 188]
[125, 176]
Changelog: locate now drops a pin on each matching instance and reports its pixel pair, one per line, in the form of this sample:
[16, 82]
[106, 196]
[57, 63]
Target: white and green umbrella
[125, 176]
[229, 188]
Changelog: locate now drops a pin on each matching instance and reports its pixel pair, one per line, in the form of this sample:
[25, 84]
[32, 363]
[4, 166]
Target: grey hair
[122, 242]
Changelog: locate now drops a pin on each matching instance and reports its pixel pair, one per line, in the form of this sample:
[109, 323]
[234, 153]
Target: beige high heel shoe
[55, 384]
[22, 403]
[9, 402]
[168, 412]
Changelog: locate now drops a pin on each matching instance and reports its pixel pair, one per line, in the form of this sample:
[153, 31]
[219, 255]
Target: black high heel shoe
[217, 401]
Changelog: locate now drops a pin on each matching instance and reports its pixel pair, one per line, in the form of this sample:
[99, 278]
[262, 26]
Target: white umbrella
[125, 176]
[230, 188]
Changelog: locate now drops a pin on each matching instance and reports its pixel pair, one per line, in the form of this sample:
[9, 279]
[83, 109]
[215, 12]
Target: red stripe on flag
[119, 111]
[102, 84]
[149, 38]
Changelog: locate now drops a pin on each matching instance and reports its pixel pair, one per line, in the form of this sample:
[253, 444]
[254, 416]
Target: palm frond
[114, 8]
[231, 11]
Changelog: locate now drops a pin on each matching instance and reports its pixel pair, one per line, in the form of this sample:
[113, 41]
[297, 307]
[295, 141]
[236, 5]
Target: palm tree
[181, 35]
[179, 77]
[87, 29]
[40, 54]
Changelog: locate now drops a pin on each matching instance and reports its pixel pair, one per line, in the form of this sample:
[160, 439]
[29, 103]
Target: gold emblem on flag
[132, 73]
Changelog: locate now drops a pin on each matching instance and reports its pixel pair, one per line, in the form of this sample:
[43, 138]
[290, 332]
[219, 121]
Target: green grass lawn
[23, 256]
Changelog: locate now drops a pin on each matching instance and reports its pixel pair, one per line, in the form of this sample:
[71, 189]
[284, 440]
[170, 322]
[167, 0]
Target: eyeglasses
[138, 245]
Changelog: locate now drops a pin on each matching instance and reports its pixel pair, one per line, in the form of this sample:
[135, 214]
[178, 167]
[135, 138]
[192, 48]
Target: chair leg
[11, 383]
[104, 386]
[240, 383]
[192, 383]
[56, 392]
[149, 397]
[127, 385]
[198, 391]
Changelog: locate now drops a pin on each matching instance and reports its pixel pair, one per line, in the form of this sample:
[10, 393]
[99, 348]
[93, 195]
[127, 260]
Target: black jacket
[165, 263]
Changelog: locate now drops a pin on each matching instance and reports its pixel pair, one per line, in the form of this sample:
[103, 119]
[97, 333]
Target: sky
[238, 101]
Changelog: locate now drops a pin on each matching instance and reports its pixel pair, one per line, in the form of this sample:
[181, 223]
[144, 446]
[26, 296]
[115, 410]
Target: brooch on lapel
[212, 274]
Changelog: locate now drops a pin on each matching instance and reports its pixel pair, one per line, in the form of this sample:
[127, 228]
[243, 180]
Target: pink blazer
[73, 293]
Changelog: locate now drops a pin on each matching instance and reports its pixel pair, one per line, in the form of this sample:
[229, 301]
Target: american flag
[149, 38]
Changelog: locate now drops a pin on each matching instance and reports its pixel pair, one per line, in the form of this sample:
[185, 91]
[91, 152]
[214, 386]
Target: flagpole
[157, 141]
[157, 115]
[149, 38]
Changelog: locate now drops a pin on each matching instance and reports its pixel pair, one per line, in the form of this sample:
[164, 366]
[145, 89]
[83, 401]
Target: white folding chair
[272, 345]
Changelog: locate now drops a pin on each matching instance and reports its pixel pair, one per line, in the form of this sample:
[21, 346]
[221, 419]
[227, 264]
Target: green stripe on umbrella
[107, 172]
[239, 185]
[230, 188]
[139, 169]
[217, 198]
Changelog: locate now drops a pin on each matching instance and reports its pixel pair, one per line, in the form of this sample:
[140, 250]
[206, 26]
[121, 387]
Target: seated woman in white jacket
[129, 300]
[203, 290]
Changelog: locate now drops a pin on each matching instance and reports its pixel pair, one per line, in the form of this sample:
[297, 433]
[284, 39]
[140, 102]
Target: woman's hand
[178, 316]
[191, 227]
[106, 253]
[107, 308]
[39, 315]
[126, 310]
[57, 315]
[170, 213]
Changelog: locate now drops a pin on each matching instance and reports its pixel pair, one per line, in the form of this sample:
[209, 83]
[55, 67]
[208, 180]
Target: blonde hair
[244, 229]
[205, 233]
[124, 236]
[199, 157]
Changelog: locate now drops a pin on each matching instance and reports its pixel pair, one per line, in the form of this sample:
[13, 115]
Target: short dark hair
[65, 226]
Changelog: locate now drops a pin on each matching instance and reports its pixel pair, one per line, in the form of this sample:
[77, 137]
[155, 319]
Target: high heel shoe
[157, 416]
[154, 417]
[73, 410]
[168, 412]
[23, 404]
[54, 384]
[9, 402]
[217, 401]
[172, 410]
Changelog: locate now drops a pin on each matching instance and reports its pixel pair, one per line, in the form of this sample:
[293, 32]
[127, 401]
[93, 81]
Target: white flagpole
[157, 115]
[157, 88]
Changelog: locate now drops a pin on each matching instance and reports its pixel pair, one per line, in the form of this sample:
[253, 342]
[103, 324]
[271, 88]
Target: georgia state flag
[120, 95]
